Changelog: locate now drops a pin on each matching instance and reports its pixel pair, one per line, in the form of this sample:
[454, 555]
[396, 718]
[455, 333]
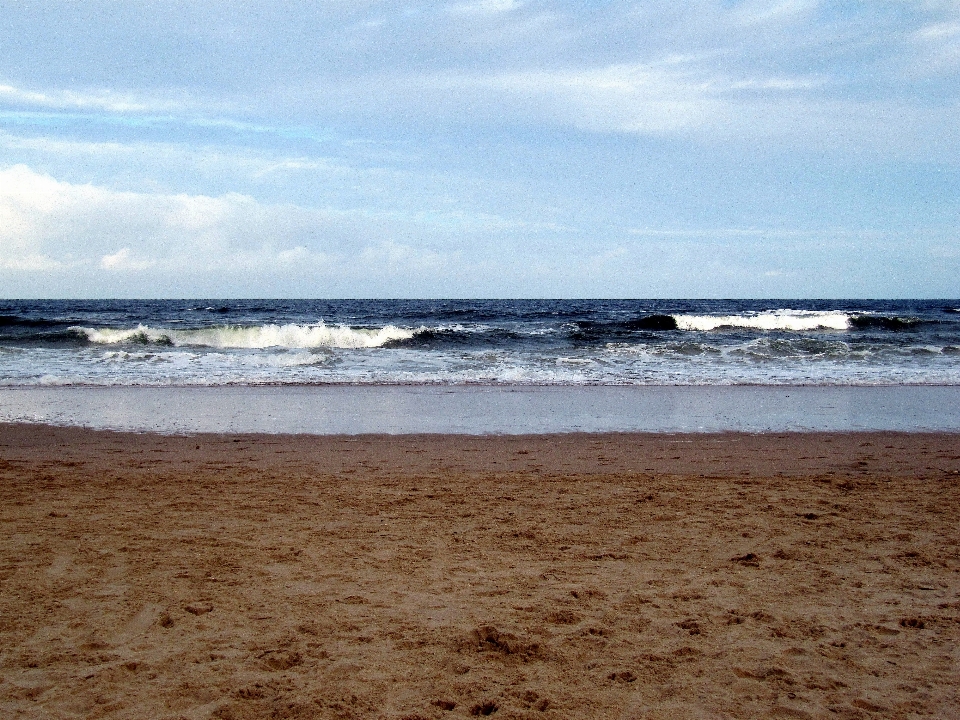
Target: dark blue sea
[479, 342]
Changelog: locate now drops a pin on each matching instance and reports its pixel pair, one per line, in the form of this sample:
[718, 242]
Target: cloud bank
[58, 238]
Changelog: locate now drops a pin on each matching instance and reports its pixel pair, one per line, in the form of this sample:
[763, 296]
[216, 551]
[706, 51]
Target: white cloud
[158, 159]
[626, 98]
[48, 227]
[96, 99]
[29, 263]
[483, 7]
[41, 217]
[778, 83]
[678, 96]
[938, 31]
[938, 49]
[723, 69]
[758, 12]
[123, 260]
[64, 239]
[630, 98]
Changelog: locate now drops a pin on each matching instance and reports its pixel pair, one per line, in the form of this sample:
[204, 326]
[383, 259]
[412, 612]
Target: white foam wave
[796, 320]
[253, 337]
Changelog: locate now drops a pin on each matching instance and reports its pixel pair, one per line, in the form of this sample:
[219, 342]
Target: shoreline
[491, 409]
[623, 575]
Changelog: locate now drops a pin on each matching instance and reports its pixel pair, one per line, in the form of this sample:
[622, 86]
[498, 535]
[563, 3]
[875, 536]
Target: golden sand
[564, 576]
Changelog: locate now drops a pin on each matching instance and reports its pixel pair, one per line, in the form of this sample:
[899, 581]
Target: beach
[487, 409]
[619, 575]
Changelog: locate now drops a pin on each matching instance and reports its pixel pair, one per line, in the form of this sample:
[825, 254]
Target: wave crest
[252, 337]
[796, 320]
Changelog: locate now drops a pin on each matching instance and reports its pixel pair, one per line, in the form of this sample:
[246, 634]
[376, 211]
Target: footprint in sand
[199, 608]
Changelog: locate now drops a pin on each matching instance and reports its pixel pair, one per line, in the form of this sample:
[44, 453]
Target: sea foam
[796, 320]
[252, 337]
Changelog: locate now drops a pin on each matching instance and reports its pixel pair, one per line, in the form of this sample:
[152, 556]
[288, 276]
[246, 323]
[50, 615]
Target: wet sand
[488, 409]
[554, 576]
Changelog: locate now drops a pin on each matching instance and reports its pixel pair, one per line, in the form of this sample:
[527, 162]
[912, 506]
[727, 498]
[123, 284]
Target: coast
[487, 409]
[616, 575]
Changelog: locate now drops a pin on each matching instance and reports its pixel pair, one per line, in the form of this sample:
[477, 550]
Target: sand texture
[569, 576]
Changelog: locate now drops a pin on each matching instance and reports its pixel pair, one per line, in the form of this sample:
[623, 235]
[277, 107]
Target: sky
[480, 148]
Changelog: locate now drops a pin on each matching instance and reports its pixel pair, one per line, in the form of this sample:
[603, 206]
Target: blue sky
[492, 148]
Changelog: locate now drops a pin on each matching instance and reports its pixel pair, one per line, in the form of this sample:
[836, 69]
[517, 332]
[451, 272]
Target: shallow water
[485, 410]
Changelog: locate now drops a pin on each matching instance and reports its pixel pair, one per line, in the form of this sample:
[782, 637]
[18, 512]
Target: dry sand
[565, 576]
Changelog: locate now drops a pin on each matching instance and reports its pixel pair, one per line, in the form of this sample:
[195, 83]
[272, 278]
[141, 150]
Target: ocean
[482, 366]
[479, 342]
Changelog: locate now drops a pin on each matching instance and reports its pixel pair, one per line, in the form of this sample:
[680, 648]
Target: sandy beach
[426, 576]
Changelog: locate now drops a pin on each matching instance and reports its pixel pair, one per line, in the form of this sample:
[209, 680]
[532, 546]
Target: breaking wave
[252, 337]
[771, 320]
[796, 320]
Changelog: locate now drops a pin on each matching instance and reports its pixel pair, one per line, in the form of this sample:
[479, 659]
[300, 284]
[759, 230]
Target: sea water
[460, 342]
[473, 357]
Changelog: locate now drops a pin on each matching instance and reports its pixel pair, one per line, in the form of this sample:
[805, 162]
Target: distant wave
[796, 320]
[16, 329]
[252, 337]
[765, 321]
[881, 322]
[469, 336]
[647, 322]
[772, 320]
[17, 321]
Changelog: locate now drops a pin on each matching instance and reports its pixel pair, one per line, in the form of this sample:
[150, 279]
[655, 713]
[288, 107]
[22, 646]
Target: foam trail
[796, 320]
[253, 337]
